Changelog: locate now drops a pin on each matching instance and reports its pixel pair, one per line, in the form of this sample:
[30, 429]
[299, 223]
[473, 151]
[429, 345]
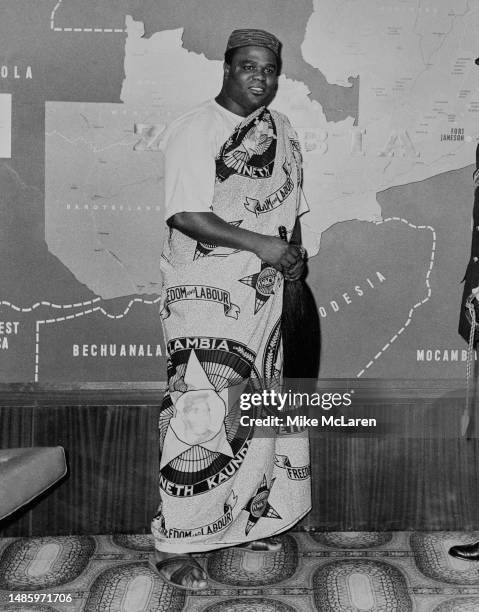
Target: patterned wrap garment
[223, 480]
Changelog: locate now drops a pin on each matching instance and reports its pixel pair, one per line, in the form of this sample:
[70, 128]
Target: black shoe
[467, 552]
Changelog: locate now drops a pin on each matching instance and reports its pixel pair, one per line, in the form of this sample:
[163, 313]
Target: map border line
[418, 304]
[77, 315]
[72, 29]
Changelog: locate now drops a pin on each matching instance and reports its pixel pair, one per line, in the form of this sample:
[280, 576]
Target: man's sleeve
[293, 137]
[189, 169]
[303, 205]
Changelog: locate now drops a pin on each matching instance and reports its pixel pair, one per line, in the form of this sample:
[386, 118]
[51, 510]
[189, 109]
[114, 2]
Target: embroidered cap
[258, 38]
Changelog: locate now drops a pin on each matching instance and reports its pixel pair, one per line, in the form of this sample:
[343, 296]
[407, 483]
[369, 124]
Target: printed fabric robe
[223, 480]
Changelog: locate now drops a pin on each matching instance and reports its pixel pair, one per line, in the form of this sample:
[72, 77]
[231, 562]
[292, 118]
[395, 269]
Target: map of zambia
[384, 97]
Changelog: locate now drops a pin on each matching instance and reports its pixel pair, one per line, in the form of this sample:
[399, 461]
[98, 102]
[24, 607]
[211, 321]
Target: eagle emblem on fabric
[250, 150]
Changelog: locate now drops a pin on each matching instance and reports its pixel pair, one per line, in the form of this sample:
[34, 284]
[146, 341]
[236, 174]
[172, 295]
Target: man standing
[469, 330]
[232, 178]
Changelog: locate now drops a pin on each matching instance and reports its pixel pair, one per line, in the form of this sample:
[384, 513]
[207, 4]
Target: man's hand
[295, 272]
[208, 227]
[278, 253]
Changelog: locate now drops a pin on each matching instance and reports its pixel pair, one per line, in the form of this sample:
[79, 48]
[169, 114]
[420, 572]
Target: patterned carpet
[329, 572]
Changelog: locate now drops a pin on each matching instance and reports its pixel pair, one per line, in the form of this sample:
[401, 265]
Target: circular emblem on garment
[266, 281]
[199, 416]
[203, 442]
[251, 149]
[263, 282]
[259, 504]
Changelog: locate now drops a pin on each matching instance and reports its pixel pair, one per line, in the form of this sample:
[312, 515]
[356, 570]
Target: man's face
[251, 80]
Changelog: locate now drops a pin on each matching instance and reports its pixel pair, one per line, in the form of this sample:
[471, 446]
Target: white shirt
[190, 146]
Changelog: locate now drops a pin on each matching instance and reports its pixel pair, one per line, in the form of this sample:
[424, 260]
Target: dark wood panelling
[112, 456]
[15, 426]
[413, 473]
[394, 484]
[16, 432]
